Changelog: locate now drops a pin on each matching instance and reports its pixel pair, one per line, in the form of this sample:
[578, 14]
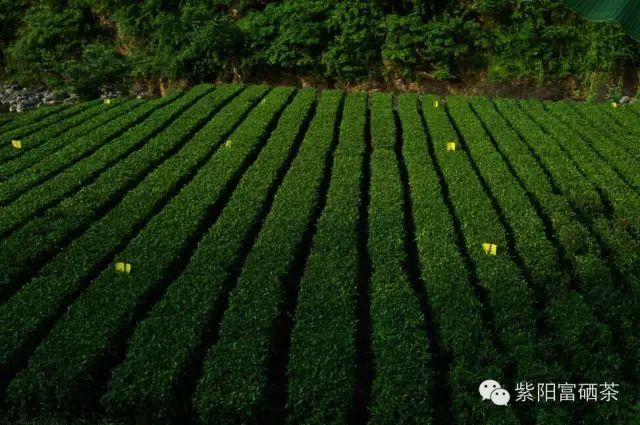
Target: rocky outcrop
[15, 98]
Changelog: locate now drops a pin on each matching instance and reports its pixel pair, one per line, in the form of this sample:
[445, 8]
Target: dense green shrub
[352, 49]
[99, 63]
[541, 39]
[11, 13]
[80, 45]
[60, 46]
[194, 43]
[289, 35]
[401, 45]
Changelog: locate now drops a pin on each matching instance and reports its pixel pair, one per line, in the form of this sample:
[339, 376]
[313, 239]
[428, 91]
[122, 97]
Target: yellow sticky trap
[614, 104]
[17, 144]
[227, 143]
[451, 146]
[122, 267]
[436, 104]
[490, 249]
[107, 101]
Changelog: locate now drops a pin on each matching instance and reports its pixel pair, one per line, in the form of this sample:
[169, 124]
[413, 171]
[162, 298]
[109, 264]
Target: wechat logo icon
[491, 390]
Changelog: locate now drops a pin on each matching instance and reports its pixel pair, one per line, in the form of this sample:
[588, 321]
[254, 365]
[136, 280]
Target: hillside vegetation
[80, 44]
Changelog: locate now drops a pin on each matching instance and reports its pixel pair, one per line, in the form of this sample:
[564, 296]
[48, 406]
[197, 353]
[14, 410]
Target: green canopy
[627, 12]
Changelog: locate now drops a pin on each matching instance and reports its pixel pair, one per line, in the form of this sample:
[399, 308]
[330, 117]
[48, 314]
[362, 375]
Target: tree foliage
[84, 43]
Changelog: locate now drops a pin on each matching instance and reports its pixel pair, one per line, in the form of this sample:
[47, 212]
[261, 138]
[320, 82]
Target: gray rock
[25, 105]
[72, 98]
[55, 96]
[107, 92]
[625, 99]
[16, 98]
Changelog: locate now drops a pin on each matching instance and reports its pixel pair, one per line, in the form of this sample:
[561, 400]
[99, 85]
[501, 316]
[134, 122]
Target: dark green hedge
[67, 273]
[234, 383]
[182, 318]
[153, 253]
[324, 332]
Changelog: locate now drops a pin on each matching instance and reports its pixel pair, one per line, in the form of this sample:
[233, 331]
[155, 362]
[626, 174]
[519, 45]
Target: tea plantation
[254, 255]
